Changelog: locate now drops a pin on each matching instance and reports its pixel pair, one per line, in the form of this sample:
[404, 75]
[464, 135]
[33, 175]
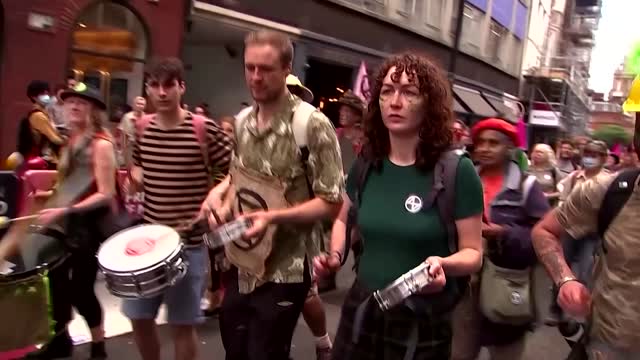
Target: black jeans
[72, 285]
[260, 325]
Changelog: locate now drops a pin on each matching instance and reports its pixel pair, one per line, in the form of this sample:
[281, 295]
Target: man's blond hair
[281, 42]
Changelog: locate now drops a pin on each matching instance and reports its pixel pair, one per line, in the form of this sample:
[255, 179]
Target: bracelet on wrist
[565, 280]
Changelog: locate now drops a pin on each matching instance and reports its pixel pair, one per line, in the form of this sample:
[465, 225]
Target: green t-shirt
[398, 235]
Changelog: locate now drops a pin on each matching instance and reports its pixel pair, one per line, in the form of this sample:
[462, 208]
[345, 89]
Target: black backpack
[615, 199]
[25, 135]
[442, 194]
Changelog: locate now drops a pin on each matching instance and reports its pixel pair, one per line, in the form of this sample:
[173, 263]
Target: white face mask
[44, 99]
[590, 162]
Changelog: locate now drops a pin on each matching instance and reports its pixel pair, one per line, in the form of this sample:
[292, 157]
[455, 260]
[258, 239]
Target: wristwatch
[565, 280]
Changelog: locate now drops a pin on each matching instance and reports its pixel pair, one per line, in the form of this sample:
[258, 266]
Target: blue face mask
[590, 162]
[44, 99]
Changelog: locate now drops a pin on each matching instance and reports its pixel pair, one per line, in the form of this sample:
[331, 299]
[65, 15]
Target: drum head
[113, 254]
[37, 250]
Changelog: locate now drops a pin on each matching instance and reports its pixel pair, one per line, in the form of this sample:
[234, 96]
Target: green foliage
[633, 59]
[613, 134]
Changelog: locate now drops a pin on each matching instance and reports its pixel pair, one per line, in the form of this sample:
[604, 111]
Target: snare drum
[144, 275]
[25, 297]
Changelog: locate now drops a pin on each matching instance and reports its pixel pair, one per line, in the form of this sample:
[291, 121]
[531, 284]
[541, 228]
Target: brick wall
[29, 54]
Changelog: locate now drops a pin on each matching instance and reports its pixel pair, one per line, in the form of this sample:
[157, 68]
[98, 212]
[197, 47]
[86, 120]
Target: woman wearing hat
[350, 134]
[90, 150]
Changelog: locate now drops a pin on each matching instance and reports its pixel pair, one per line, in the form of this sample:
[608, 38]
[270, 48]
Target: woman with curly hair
[407, 131]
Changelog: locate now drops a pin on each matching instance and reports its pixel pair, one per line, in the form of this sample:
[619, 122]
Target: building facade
[537, 37]
[333, 38]
[106, 43]
[102, 42]
[556, 90]
[622, 81]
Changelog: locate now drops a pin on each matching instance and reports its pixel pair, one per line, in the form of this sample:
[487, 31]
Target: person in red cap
[513, 203]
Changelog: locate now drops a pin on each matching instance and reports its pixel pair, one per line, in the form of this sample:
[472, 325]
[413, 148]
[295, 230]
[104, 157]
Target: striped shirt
[175, 177]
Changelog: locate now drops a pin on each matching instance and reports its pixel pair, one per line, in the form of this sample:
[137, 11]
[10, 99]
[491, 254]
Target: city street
[544, 343]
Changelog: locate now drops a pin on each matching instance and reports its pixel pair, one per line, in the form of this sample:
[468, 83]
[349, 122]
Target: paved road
[544, 343]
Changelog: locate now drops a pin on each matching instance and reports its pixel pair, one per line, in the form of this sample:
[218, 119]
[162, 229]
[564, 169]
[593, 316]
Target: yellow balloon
[13, 161]
[632, 104]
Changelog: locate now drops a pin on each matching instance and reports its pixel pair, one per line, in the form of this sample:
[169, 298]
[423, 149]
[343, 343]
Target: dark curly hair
[435, 132]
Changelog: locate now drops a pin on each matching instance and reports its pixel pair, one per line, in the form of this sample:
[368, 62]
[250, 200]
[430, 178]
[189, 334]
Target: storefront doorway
[109, 49]
[328, 82]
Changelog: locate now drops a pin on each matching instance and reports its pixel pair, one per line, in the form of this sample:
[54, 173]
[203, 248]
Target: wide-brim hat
[352, 100]
[86, 92]
[304, 93]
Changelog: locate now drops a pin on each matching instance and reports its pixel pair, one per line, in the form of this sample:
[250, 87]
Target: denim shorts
[182, 299]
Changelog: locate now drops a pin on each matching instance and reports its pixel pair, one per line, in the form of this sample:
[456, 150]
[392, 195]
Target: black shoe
[98, 351]
[59, 347]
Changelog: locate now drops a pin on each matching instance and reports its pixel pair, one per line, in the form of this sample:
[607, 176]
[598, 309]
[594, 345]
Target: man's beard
[269, 97]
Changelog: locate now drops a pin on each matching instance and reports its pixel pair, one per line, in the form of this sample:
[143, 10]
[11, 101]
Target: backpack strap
[615, 199]
[141, 125]
[241, 119]
[299, 127]
[300, 123]
[527, 185]
[360, 172]
[442, 194]
[200, 128]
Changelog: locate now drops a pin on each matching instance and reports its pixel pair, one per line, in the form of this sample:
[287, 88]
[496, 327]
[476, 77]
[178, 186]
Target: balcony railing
[568, 69]
[582, 27]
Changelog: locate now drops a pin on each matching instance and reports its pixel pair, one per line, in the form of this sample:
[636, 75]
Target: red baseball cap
[496, 125]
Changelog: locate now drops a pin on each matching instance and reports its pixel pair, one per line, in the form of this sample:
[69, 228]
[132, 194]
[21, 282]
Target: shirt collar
[286, 107]
[512, 176]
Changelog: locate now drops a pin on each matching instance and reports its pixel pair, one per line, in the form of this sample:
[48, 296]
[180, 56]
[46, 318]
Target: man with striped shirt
[170, 165]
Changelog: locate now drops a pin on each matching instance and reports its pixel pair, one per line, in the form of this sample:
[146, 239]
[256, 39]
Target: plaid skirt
[396, 334]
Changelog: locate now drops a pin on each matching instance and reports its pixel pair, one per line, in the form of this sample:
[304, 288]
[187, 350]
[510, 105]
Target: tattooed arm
[577, 216]
[546, 242]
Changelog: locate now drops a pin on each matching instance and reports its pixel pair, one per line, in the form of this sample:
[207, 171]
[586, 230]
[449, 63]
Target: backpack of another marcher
[200, 129]
[615, 199]
[25, 136]
[442, 195]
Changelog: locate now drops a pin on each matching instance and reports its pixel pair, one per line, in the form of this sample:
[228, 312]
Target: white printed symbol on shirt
[413, 204]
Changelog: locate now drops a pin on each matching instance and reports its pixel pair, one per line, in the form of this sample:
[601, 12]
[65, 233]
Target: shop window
[496, 40]
[109, 48]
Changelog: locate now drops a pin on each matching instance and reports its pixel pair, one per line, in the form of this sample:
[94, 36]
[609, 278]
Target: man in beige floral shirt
[614, 306]
[260, 310]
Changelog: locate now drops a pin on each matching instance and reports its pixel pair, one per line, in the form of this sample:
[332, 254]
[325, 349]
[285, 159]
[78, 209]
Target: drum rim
[104, 244]
[44, 267]
[39, 270]
[175, 255]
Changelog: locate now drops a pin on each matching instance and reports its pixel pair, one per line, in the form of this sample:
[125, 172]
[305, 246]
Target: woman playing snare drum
[90, 150]
[407, 130]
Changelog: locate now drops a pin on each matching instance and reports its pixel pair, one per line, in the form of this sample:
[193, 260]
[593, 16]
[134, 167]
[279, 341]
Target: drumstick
[5, 221]
[67, 192]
